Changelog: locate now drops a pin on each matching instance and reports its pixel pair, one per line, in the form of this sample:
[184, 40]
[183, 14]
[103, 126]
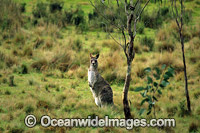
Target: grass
[49, 65]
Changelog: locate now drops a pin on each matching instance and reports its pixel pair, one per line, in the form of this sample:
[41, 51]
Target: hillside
[44, 59]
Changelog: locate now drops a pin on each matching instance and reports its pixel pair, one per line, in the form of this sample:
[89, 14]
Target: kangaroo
[101, 90]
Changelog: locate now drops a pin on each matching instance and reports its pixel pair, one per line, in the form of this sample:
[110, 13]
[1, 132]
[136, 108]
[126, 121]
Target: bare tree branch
[104, 16]
[135, 22]
[111, 35]
[175, 15]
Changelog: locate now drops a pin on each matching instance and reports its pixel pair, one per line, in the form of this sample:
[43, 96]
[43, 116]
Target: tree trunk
[127, 111]
[185, 74]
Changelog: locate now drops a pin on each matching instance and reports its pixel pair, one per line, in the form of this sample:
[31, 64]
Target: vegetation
[44, 57]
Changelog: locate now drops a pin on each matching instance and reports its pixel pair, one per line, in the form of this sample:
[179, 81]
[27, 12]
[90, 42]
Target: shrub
[55, 6]
[40, 10]
[164, 11]
[68, 16]
[151, 20]
[147, 41]
[197, 2]
[155, 18]
[93, 15]
[83, 27]
[23, 7]
[78, 17]
[114, 15]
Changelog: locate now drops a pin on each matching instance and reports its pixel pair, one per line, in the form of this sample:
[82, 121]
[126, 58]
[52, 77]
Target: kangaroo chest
[91, 76]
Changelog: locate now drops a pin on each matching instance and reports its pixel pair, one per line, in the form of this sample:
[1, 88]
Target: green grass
[66, 94]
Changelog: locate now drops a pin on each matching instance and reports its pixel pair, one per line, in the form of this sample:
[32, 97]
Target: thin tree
[179, 21]
[133, 12]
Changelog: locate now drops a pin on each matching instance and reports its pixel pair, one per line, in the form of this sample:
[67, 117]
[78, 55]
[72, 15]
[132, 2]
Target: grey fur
[101, 90]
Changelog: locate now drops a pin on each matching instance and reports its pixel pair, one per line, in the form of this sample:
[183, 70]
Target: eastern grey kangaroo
[101, 90]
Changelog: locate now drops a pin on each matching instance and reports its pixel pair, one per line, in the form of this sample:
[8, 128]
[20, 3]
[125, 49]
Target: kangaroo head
[93, 61]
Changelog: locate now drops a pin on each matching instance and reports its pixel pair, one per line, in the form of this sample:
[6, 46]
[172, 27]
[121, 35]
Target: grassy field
[49, 63]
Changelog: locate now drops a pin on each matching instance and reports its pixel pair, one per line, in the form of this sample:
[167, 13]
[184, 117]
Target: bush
[83, 27]
[151, 20]
[68, 16]
[93, 15]
[147, 41]
[55, 6]
[78, 17]
[23, 7]
[40, 10]
[114, 15]
[155, 18]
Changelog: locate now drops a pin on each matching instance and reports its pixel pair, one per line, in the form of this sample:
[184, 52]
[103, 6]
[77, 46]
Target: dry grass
[111, 44]
[170, 60]
[59, 87]
[166, 46]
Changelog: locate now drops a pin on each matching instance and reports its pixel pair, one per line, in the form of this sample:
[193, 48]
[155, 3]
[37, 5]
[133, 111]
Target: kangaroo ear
[91, 55]
[97, 56]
